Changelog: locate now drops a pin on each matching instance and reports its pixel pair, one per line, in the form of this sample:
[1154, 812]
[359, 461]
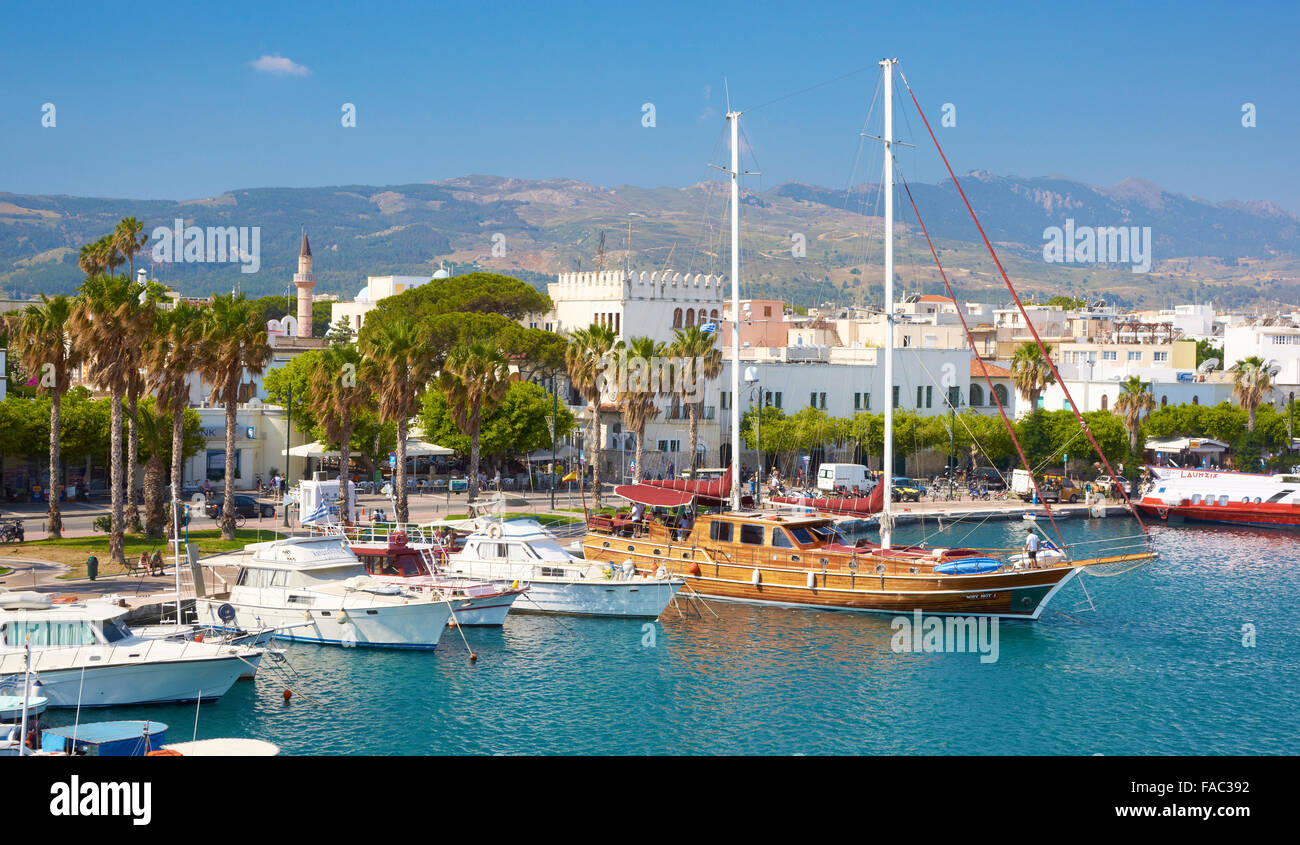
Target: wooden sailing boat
[804, 561]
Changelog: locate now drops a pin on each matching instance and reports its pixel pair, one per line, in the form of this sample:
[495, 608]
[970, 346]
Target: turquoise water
[1157, 668]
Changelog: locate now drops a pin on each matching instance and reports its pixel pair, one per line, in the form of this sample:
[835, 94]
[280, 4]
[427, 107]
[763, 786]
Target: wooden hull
[863, 583]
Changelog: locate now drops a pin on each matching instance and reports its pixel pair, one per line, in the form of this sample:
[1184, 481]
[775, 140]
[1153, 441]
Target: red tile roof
[979, 369]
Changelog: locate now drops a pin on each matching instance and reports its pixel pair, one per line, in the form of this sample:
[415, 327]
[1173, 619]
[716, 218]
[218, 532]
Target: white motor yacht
[314, 589]
[83, 654]
[522, 553]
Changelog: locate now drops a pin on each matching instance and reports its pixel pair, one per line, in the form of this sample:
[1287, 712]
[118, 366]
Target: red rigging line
[983, 370]
[1020, 306]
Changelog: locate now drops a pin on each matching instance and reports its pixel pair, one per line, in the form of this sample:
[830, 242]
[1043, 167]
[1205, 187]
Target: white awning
[1199, 445]
[312, 450]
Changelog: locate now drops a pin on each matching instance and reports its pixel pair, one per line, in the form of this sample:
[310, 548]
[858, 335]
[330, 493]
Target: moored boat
[1175, 494]
[314, 589]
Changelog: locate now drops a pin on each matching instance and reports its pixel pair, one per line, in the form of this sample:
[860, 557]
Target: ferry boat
[420, 570]
[84, 655]
[1175, 494]
[521, 553]
[313, 589]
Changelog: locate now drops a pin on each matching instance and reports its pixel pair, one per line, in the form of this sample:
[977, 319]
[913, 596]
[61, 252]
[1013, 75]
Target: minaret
[305, 279]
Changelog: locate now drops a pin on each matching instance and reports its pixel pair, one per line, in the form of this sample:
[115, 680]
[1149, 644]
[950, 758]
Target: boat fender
[343, 617]
[164, 752]
[938, 553]
[661, 573]
[755, 578]
[629, 568]
[695, 570]
[812, 580]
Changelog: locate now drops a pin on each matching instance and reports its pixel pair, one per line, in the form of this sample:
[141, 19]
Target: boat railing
[380, 533]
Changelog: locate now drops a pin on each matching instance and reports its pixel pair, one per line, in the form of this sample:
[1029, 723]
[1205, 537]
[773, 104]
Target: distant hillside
[1237, 253]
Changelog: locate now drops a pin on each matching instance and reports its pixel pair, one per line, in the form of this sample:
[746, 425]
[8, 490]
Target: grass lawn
[73, 551]
[543, 518]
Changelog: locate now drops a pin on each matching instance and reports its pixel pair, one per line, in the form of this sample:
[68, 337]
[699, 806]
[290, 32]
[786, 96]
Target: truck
[1022, 484]
[845, 476]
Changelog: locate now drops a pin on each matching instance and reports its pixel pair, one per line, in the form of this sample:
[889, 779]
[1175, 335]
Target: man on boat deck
[1031, 546]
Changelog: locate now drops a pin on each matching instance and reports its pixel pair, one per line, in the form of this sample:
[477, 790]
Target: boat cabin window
[252, 576]
[801, 535]
[1196, 498]
[751, 535]
[780, 539]
[48, 633]
[720, 530]
[1223, 500]
[114, 630]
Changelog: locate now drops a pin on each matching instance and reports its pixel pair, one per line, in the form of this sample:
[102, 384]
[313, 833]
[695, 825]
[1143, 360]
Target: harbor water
[1152, 661]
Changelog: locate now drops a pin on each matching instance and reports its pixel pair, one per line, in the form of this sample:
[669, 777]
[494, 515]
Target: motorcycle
[11, 531]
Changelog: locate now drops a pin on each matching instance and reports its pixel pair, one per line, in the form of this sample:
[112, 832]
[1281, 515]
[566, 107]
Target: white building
[376, 288]
[1279, 345]
[649, 304]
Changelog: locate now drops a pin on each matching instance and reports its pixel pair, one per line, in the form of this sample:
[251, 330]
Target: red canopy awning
[655, 497]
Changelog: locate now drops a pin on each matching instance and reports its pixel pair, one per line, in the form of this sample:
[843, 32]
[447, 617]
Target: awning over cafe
[655, 497]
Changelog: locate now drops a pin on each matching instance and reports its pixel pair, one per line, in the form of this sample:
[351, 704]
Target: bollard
[92, 567]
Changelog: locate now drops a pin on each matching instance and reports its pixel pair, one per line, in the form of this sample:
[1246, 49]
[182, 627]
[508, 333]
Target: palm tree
[155, 440]
[1251, 382]
[636, 398]
[43, 339]
[474, 379]
[1134, 400]
[234, 342]
[105, 325]
[1031, 373]
[128, 240]
[398, 368]
[94, 258]
[586, 357]
[700, 360]
[334, 394]
[169, 362]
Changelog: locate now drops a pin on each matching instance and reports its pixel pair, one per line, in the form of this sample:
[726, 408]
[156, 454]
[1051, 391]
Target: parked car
[245, 506]
[1112, 485]
[908, 490]
[988, 478]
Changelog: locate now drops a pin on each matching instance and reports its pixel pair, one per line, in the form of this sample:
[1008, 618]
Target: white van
[830, 476]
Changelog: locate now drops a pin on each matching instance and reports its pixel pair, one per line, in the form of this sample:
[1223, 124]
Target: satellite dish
[226, 613]
[1207, 365]
[1274, 370]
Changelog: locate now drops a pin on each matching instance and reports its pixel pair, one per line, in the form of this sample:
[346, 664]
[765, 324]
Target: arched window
[677, 318]
[1105, 402]
[1000, 390]
[713, 315]
[690, 317]
[1164, 400]
[1196, 400]
[976, 395]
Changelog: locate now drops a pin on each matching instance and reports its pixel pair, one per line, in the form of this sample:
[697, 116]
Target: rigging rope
[1020, 306]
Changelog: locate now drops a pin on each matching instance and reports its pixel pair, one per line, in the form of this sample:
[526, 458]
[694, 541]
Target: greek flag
[321, 512]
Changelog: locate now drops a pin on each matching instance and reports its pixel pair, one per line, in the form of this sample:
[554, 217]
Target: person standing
[1031, 547]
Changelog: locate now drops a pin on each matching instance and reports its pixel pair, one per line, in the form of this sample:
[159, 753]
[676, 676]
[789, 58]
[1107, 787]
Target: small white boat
[11, 706]
[521, 553]
[82, 653]
[224, 747]
[313, 589]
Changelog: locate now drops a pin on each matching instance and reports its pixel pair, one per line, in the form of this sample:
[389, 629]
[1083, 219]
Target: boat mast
[887, 460]
[733, 117]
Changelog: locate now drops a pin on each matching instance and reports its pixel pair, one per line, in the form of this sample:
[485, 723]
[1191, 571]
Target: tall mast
[734, 118]
[887, 477]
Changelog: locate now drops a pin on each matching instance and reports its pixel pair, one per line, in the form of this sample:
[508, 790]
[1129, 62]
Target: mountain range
[1238, 254]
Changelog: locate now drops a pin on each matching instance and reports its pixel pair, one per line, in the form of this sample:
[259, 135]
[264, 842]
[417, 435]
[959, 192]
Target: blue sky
[155, 103]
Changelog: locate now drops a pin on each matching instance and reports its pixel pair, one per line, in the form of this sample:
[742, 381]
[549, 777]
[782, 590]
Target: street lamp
[751, 379]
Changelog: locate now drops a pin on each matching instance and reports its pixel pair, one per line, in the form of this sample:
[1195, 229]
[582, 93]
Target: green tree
[42, 337]
[1134, 400]
[1031, 373]
[234, 342]
[701, 361]
[335, 393]
[398, 369]
[637, 398]
[587, 358]
[1251, 383]
[474, 379]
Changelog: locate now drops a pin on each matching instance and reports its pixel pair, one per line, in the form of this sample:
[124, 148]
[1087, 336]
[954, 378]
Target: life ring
[398, 539]
[494, 531]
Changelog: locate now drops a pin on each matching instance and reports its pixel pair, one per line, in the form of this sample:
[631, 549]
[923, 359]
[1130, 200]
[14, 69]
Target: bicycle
[11, 531]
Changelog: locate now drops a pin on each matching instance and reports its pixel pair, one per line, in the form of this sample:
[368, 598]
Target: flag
[573, 476]
[322, 510]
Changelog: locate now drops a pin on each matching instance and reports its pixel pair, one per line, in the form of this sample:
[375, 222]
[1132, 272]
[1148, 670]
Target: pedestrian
[143, 563]
[207, 490]
[1031, 547]
[156, 563]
